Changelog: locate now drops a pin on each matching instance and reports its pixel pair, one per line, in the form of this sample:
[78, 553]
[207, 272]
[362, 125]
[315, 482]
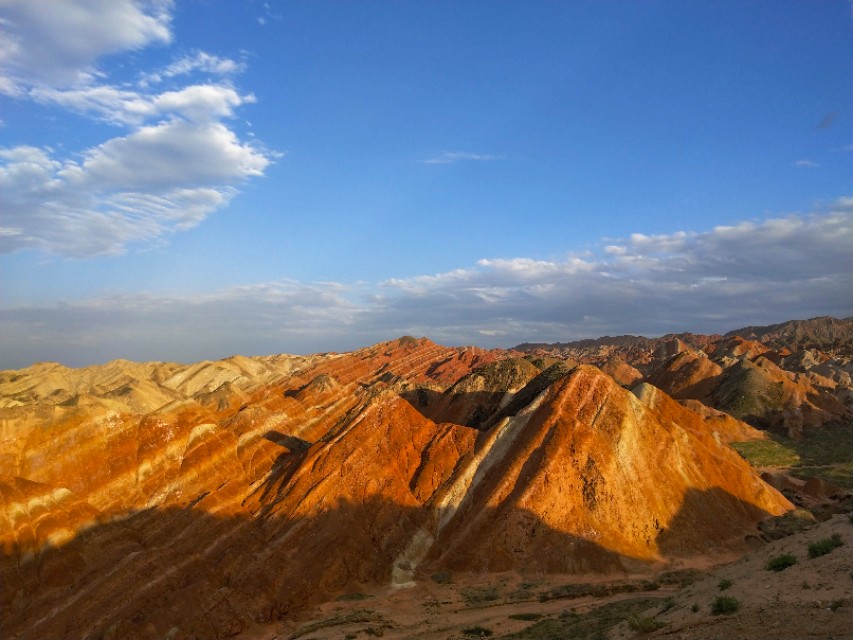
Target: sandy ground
[811, 599]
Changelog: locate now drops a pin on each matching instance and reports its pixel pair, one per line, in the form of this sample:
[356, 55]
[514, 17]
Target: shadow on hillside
[698, 526]
[483, 409]
[286, 464]
[210, 576]
[291, 443]
[470, 409]
[477, 409]
[185, 573]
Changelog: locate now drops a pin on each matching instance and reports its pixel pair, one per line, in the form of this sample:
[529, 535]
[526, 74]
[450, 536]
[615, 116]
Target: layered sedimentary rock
[790, 378]
[166, 500]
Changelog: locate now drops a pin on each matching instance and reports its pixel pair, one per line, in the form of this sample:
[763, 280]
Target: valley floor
[812, 598]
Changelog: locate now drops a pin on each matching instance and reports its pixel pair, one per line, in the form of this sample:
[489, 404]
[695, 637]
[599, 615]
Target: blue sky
[188, 180]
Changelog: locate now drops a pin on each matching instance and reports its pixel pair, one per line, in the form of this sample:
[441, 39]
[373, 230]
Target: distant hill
[692, 339]
[822, 333]
[816, 333]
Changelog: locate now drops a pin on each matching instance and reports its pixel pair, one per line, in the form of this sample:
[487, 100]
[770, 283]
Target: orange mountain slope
[167, 500]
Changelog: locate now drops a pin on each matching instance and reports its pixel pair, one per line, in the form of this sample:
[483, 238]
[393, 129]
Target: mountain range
[214, 499]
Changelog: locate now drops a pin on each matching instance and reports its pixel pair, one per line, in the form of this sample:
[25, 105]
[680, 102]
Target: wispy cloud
[198, 62]
[752, 272]
[452, 157]
[806, 164]
[178, 160]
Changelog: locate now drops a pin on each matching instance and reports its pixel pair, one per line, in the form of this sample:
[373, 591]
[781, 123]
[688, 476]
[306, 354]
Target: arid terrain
[616, 487]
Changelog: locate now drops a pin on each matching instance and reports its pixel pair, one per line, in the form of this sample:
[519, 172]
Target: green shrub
[724, 604]
[480, 595]
[478, 632]
[724, 584]
[780, 563]
[824, 546]
[644, 625]
[695, 608]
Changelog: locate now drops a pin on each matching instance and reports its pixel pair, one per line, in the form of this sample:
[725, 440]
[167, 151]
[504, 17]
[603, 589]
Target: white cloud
[198, 103]
[780, 268]
[452, 157]
[58, 43]
[177, 163]
[257, 319]
[169, 155]
[200, 61]
[119, 106]
[806, 164]
[760, 272]
[157, 180]
[201, 103]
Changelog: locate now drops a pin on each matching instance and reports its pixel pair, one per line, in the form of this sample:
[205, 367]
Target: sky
[194, 179]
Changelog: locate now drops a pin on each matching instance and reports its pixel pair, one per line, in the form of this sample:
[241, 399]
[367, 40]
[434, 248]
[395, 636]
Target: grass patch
[824, 546]
[478, 596]
[724, 605]
[680, 577]
[780, 563]
[839, 473]
[827, 445]
[593, 624]
[824, 453]
[722, 585]
[582, 590]
[349, 597]
[767, 453]
[523, 593]
[644, 624]
[477, 632]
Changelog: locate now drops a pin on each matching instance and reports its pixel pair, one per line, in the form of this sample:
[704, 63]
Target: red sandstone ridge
[588, 476]
[166, 500]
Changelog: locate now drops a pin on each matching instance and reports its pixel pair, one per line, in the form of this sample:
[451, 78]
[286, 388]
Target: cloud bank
[716, 280]
[177, 160]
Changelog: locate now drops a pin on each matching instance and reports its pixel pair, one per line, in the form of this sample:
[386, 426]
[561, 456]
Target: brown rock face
[163, 500]
[689, 374]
